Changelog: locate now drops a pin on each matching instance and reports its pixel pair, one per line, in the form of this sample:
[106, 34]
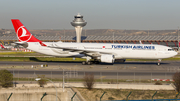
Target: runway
[128, 70]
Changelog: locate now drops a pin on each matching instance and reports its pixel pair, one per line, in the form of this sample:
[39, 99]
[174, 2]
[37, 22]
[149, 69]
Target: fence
[101, 76]
[147, 100]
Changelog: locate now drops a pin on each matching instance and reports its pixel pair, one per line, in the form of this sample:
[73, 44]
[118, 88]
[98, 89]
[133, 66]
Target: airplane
[2, 46]
[103, 52]
[6, 47]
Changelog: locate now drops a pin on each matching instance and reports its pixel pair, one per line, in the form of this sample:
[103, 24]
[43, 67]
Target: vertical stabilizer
[22, 33]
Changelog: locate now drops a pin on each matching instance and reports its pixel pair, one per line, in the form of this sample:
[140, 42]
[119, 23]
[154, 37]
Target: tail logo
[22, 34]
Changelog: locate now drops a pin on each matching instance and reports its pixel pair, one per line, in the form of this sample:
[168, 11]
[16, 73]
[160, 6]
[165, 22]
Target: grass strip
[56, 59]
[40, 59]
[167, 59]
[15, 56]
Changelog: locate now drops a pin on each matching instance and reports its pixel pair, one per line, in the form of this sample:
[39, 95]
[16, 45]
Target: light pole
[178, 38]
[37, 79]
[113, 37]
[63, 80]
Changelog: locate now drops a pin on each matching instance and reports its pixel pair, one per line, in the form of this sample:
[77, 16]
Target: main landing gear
[86, 63]
[89, 62]
[159, 62]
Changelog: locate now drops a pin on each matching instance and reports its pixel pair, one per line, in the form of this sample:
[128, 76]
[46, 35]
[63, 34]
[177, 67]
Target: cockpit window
[170, 49]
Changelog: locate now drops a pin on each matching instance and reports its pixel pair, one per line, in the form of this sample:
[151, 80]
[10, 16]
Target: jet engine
[107, 58]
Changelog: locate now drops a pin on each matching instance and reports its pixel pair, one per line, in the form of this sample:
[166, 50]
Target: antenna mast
[64, 36]
[113, 37]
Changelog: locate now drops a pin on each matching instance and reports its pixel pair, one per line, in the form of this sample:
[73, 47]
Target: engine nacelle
[107, 58]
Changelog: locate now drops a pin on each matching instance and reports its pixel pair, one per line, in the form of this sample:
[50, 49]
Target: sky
[99, 14]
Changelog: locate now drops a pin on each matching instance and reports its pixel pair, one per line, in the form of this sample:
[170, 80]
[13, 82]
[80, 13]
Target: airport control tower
[78, 23]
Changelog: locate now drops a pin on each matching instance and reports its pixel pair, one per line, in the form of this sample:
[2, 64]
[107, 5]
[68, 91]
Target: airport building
[78, 23]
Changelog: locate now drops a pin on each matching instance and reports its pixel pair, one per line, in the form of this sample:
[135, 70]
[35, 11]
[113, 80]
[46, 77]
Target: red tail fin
[2, 46]
[22, 33]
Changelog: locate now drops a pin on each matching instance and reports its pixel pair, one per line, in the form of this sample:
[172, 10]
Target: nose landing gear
[159, 62]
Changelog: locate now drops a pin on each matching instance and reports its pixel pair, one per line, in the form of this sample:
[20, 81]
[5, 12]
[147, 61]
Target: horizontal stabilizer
[24, 44]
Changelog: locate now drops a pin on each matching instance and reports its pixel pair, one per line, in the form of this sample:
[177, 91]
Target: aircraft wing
[82, 51]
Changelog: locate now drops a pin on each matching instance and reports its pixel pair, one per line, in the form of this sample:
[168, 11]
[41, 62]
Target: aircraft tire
[83, 63]
[89, 63]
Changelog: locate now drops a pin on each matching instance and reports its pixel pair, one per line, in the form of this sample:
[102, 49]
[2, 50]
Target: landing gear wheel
[83, 63]
[89, 63]
[158, 64]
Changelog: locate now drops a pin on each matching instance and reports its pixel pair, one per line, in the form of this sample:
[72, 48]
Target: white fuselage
[120, 51]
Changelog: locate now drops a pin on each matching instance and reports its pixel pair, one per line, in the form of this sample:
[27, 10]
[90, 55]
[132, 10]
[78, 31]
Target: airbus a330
[103, 52]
